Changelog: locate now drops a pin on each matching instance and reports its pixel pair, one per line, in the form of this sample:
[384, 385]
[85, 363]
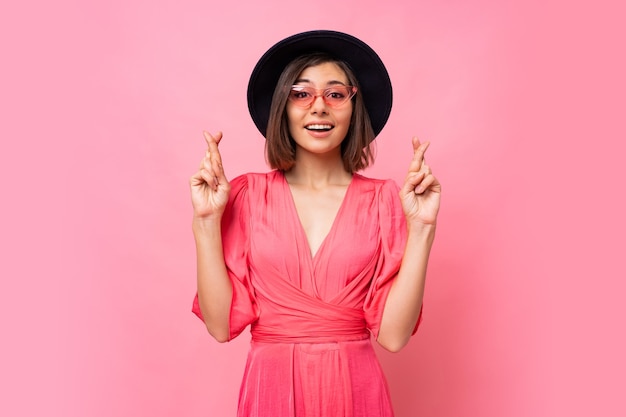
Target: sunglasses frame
[320, 92]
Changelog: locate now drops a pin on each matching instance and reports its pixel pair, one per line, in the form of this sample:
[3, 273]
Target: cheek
[346, 117]
[291, 123]
[291, 119]
[294, 114]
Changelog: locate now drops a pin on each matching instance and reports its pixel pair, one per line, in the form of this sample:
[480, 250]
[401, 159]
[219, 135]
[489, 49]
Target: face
[319, 128]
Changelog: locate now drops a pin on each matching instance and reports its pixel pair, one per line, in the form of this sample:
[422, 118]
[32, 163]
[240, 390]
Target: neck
[318, 170]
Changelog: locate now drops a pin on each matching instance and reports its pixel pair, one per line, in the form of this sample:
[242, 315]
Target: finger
[212, 142]
[218, 173]
[216, 157]
[419, 149]
[212, 170]
[428, 182]
[411, 181]
[416, 143]
[196, 179]
[209, 178]
[215, 162]
[207, 163]
[209, 138]
[212, 152]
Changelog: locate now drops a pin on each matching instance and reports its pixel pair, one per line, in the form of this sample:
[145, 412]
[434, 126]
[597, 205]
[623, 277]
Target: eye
[336, 93]
[300, 93]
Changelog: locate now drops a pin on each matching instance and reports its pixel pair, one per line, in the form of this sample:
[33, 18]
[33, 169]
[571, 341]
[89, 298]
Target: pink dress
[311, 316]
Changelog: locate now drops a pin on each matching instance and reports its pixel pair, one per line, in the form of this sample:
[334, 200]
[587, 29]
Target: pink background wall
[102, 108]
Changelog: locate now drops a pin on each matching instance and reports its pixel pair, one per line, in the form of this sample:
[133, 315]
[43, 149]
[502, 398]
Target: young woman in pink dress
[315, 257]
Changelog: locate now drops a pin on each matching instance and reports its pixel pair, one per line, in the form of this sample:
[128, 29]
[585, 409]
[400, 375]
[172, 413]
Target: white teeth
[319, 127]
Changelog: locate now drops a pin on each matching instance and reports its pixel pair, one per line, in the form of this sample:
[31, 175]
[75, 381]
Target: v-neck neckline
[333, 226]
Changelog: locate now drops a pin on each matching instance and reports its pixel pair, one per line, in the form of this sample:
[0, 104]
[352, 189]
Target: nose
[319, 105]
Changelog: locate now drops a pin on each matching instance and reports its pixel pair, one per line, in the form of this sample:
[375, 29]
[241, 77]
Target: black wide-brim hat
[374, 82]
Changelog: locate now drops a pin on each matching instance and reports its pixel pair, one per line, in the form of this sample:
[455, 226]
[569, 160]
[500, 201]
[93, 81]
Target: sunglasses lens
[336, 95]
[302, 96]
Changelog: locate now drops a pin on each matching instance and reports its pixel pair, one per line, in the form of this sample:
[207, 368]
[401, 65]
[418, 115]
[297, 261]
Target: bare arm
[420, 198]
[209, 195]
[215, 291]
[404, 301]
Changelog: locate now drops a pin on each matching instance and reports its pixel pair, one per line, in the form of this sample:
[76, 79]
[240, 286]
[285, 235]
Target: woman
[312, 255]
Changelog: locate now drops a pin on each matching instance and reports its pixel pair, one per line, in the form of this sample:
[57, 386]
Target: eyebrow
[305, 80]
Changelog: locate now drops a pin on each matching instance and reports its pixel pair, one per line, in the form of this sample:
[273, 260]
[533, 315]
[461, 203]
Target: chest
[317, 211]
[316, 242]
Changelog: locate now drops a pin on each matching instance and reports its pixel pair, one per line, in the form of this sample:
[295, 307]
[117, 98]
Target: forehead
[325, 73]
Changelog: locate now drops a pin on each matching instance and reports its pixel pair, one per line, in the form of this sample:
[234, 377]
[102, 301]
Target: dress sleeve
[393, 236]
[235, 243]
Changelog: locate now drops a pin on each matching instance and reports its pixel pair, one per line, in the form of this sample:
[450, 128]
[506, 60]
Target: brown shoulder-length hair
[280, 148]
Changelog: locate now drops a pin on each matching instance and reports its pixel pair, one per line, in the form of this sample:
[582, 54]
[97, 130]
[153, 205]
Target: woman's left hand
[421, 192]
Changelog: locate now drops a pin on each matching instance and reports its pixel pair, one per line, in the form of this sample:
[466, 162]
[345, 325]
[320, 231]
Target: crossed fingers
[211, 168]
[419, 172]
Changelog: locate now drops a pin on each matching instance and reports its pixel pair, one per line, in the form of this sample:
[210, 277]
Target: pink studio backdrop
[103, 104]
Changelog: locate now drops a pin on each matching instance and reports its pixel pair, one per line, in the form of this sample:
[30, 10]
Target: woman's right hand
[209, 186]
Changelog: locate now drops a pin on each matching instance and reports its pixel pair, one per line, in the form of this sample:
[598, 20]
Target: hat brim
[374, 82]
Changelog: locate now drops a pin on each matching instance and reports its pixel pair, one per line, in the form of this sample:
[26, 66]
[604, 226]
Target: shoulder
[251, 178]
[254, 184]
[383, 197]
[255, 179]
[381, 186]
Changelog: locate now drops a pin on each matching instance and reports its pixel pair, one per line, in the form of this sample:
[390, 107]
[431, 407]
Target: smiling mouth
[319, 127]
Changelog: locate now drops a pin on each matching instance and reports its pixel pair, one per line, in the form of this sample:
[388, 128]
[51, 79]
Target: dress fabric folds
[311, 315]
